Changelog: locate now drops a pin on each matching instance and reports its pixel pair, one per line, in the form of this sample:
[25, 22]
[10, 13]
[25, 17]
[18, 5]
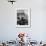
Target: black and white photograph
[23, 17]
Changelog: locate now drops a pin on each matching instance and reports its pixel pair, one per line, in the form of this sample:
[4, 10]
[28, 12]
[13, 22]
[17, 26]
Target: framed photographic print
[23, 17]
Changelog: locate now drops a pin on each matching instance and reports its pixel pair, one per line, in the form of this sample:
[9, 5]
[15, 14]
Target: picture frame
[23, 17]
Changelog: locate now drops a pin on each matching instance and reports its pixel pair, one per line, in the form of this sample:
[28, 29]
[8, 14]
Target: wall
[8, 28]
